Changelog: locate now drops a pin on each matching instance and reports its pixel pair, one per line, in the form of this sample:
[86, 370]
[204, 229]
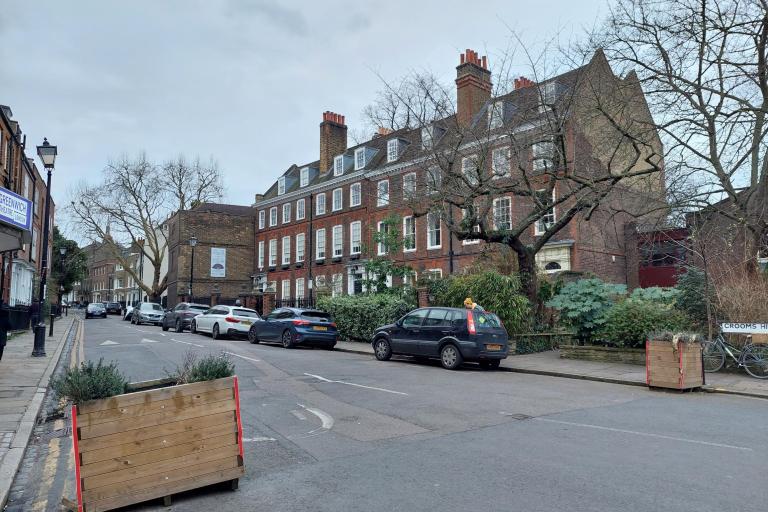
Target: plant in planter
[673, 360]
[133, 447]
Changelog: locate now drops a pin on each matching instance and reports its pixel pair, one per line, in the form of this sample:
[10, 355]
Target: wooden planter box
[151, 444]
[675, 369]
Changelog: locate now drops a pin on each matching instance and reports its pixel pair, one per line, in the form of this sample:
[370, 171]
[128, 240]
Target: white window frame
[355, 237]
[495, 115]
[409, 179]
[286, 259]
[393, 150]
[427, 137]
[381, 247]
[498, 209]
[304, 177]
[430, 230]
[476, 228]
[300, 247]
[360, 159]
[337, 285]
[434, 180]
[382, 198]
[540, 156]
[262, 219]
[273, 252]
[299, 288]
[320, 204]
[432, 273]
[286, 287]
[352, 195]
[261, 254]
[338, 165]
[337, 241]
[281, 185]
[468, 165]
[286, 213]
[320, 250]
[273, 216]
[541, 225]
[301, 211]
[502, 156]
[337, 199]
[409, 236]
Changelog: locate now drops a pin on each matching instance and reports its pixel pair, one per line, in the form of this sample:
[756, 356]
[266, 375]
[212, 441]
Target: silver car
[223, 321]
[147, 313]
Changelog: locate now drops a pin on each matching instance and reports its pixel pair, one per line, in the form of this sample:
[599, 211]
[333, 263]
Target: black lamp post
[192, 244]
[47, 154]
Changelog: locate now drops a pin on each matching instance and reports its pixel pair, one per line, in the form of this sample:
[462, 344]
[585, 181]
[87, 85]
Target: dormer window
[304, 179]
[548, 95]
[426, 137]
[495, 115]
[281, 185]
[338, 165]
[393, 150]
[359, 158]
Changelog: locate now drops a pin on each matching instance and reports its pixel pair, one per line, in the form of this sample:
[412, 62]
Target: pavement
[549, 363]
[23, 385]
[330, 431]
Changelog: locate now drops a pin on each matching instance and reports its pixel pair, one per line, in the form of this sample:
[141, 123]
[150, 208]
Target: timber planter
[151, 444]
[673, 367]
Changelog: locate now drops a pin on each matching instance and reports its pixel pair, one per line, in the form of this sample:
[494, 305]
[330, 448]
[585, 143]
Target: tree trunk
[526, 261]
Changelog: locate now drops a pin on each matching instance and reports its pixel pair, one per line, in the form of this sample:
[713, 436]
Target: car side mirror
[399, 322]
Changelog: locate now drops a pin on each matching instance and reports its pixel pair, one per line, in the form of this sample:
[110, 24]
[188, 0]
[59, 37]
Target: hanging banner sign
[218, 262]
[15, 210]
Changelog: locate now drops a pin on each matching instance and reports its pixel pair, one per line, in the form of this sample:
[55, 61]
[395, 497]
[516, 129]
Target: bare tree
[704, 67]
[131, 204]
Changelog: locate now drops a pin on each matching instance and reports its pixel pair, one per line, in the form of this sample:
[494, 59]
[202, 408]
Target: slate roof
[230, 209]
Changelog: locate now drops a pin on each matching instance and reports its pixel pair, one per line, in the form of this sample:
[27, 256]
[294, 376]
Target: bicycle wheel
[756, 361]
[714, 356]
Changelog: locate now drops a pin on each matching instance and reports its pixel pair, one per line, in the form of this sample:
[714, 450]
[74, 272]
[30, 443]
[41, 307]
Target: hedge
[358, 316]
[628, 323]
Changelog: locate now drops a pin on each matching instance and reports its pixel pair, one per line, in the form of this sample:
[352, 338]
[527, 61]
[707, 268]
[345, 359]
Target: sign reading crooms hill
[15, 210]
[745, 327]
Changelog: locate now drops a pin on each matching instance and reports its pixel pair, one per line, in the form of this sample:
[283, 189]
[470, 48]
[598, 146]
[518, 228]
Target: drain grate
[62, 432]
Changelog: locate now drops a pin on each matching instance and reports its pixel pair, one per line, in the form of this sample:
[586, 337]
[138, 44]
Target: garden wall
[604, 354]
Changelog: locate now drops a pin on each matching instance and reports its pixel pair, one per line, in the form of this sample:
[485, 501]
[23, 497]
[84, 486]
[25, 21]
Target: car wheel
[450, 357]
[193, 327]
[179, 326]
[215, 332]
[287, 339]
[490, 365]
[329, 347]
[382, 349]
[253, 337]
[162, 324]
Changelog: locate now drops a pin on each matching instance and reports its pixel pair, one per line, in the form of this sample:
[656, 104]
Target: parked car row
[451, 335]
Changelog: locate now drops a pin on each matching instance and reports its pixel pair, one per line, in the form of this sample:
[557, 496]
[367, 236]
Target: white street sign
[745, 327]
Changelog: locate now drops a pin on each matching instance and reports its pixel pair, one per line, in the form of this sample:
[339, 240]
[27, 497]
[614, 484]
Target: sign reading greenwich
[745, 328]
[15, 210]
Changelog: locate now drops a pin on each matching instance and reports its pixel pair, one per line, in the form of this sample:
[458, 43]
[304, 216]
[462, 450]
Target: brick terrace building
[317, 221]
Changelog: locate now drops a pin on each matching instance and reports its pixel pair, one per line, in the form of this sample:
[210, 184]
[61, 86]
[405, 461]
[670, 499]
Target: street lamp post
[47, 154]
[192, 244]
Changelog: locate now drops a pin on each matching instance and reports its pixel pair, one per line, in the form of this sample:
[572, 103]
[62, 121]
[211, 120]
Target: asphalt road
[333, 431]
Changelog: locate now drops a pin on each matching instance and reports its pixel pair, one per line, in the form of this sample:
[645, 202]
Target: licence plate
[246, 322]
[493, 347]
[320, 328]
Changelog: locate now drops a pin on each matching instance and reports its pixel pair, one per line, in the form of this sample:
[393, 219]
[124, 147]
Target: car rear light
[471, 323]
[301, 322]
[333, 324]
[232, 320]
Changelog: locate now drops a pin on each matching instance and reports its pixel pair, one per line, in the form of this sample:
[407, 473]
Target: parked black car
[113, 308]
[295, 326]
[147, 312]
[453, 335]
[181, 316]
[95, 309]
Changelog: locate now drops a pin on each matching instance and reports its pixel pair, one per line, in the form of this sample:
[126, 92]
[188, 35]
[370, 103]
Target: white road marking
[242, 357]
[257, 439]
[325, 418]
[299, 415]
[161, 334]
[645, 434]
[109, 342]
[186, 342]
[145, 340]
[323, 379]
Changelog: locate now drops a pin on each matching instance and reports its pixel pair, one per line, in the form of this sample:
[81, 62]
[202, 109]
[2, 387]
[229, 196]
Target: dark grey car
[453, 335]
[180, 317]
[147, 313]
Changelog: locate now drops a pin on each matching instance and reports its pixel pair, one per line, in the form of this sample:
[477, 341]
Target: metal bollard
[66, 310]
[50, 331]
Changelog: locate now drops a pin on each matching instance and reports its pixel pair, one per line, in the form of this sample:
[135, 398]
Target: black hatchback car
[295, 326]
[453, 335]
[113, 308]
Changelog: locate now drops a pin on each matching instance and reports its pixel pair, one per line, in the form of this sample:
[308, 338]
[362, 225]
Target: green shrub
[629, 322]
[209, 367]
[493, 291]
[692, 295]
[90, 381]
[357, 316]
[583, 304]
[656, 294]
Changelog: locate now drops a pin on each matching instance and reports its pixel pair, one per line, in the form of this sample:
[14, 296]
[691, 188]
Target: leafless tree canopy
[133, 200]
[703, 66]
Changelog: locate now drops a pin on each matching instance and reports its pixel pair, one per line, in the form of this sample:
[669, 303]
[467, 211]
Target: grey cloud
[286, 18]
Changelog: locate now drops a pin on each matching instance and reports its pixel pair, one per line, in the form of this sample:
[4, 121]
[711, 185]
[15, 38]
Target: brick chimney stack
[333, 139]
[522, 82]
[473, 86]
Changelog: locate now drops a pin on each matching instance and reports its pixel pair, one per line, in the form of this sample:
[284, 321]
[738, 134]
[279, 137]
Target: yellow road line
[46, 479]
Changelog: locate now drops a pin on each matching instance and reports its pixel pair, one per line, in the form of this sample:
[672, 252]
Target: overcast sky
[244, 82]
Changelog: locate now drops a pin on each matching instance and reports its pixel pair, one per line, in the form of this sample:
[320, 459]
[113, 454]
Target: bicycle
[752, 357]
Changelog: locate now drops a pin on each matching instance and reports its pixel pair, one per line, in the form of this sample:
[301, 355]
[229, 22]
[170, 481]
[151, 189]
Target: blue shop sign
[15, 210]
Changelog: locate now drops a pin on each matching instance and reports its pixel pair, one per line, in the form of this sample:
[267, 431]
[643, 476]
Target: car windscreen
[485, 320]
[316, 315]
[245, 312]
[153, 307]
